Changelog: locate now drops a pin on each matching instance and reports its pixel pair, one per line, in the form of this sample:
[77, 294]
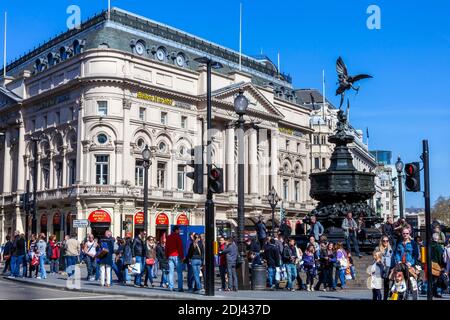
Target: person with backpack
[231, 254]
[105, 257]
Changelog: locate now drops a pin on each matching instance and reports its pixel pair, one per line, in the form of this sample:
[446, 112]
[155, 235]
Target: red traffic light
[410, 169]
[214, 174]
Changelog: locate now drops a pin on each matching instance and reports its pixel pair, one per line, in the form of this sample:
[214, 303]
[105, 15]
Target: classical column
[81, 157]
[20, 160]
[64, 166]
[274, 159]
[264, 162]
[7, 163]
[127, 160]
[253, 160]
[51, 184]
[229, 149]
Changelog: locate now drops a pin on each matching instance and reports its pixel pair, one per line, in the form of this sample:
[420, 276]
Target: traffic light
[412, 181]
[215, 177]
[197, 164]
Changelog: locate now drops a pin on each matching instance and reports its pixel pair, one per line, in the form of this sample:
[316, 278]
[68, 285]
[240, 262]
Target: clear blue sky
[407, 101]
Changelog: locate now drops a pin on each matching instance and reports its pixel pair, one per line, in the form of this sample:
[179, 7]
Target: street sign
[84, 223]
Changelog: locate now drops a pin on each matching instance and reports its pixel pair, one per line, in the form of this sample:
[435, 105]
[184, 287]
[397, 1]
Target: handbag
[102, 253]
[35, 261]
[435, 269]
[149, 261]
[134, 269]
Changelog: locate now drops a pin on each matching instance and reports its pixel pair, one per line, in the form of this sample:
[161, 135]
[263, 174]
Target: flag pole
[279, 70]
[240, 37]
[4, 49]
[324, 95]
[109, 9]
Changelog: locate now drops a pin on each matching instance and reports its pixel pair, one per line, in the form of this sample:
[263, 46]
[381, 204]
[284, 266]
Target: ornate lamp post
[146, 154]
[273, 201]
[399, 166]
[240, 106]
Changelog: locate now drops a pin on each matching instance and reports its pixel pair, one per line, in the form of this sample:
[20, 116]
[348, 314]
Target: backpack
[49, 250]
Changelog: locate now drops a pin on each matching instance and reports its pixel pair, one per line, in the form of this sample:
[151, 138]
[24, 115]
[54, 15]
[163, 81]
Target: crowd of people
[396, 272]
[399, 263]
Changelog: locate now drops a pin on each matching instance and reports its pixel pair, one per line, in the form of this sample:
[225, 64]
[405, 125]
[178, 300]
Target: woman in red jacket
[54, 258]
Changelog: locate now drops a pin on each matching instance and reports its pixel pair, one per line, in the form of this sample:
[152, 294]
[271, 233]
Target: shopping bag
[135, 269]
[278, 274]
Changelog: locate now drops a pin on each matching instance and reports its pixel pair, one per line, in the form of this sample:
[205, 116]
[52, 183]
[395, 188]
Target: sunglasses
[385, 240]
[406, 233]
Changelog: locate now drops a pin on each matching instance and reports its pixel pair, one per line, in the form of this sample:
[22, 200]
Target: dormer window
[76, 47]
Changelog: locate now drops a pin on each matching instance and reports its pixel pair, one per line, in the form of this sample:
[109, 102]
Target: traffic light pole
[400, 193]
[426, 175]
[209, 205]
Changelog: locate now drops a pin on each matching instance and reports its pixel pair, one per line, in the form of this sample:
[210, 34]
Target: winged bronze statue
[345, 81]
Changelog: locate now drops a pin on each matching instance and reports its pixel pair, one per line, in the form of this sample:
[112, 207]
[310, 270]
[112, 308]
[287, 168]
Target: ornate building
[93, 97]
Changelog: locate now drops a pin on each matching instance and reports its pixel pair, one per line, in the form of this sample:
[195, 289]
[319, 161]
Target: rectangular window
[299, 148]
[387, 206]
[286, 190]
[139, 173]
[180, 177]
[71, 113]
[316, 163]
[324, 163]
[163, 117]
[161, 175]
[102, 108]
[183, 122]
[58, 170]
[297, 191]
[72, 171]
[315, 139]
[58, 117]
[287, 144]
[142, 114]
[46, 175]
[102, 169]
[45, 121]
[324, 140]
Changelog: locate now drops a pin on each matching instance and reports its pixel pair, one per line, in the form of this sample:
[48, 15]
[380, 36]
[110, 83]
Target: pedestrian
[316, 229]
[312, 241]
[105, 257]
[387, 256]
[285, 228]
[407, 251]
[190, 272]
[231, 253]
[299, 228]
[222, 264]
[55, 254]
[437, 263]
[127, 257]
[341, 264]
[272, 258]
[90, 252]
[309, 265]
[196, 256]
[441, 235]
[376, 272]
[72, 250]
[163, 262]
[33, 258]
[299, 268]
[398, 289]
[138, 251]
[41, 248]
[255, 252]
[18, 255]
[150, 257]
[350, 232]
[261, 230]
[290, 260]
[175, 255]
[361, 232]
[447, 258]
[6, 254]
[388, 230]
[327, 261]
[63, 258]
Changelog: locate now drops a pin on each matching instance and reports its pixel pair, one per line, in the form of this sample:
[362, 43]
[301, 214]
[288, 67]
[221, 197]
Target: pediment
[8, 98]
[258, 103]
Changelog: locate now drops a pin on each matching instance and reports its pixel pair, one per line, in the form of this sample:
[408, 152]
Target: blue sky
[407, 101]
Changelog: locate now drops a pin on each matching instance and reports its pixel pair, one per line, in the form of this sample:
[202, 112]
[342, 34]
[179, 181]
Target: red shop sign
[182, 220]
[139, 218]
[162, 219]
[99, 216]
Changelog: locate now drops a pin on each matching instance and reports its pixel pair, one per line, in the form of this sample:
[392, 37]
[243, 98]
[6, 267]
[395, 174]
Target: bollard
[259, 277]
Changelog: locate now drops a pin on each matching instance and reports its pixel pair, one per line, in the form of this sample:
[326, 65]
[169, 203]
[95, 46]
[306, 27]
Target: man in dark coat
[261, 231]
[138, 250]
[272, 257]
[7, 250]
[231, 252]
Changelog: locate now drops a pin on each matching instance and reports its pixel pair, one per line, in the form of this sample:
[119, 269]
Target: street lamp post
[146, 154]
[399, 166]
[209, 204]
[240, 106]
[273, 201]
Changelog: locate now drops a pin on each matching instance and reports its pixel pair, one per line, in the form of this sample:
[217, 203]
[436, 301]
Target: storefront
[138, 222]
[100, 222]
[162, 225]
[43, 224]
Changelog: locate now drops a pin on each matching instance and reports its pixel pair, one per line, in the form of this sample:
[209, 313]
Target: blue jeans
[190, 276]
[291, 274]
[272, 271]
[175, 263]
[223, 272]
[148, 274]
[352, 237]
[17, 264]
[164, 279]
[196, 266]
[117, 267]
[42, 270]
[138, 277]
[342, 277]
[70, 266]
[54, 265]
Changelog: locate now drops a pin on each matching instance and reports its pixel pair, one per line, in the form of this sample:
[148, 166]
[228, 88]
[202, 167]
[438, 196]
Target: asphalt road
[11, 290]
